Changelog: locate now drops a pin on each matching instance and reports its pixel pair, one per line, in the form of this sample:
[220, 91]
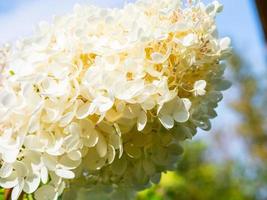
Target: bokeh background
[230, 161]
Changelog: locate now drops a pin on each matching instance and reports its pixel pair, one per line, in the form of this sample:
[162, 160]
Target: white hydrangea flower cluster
[4, 54]
[102, 97]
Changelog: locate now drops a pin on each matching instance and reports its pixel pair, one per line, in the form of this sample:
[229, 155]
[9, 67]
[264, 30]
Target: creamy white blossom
[103, 97]
[199, 88]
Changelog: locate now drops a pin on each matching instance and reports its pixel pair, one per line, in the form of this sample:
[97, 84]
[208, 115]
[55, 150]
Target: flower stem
[8, 192]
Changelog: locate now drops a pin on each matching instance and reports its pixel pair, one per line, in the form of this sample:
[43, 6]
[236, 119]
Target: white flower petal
[31, 183]
[7, 99]
[67, 174]
[9, 182]
[84, 110]
[181, 113]
[66, 119]
[51, 115]
[199, 88]
[141, 121]
[44, 175]
[189, 40]
[101, 146]
[111, 154]
[67, 163]
[46, 192]
[201, 84]
[11, 155]
[75, 155]
[32, 142]
[187, 103]
[6, 170]
[225, 43]
[158, 57]
[17, 190]
[91, 138]
[20, 169]
[50, 161]
[94, 161]
[167, 121]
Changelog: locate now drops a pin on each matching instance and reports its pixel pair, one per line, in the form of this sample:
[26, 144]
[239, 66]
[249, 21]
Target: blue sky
[240, 21]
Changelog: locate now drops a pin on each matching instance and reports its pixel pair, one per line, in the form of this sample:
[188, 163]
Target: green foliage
[1, 194]
[198, 179]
